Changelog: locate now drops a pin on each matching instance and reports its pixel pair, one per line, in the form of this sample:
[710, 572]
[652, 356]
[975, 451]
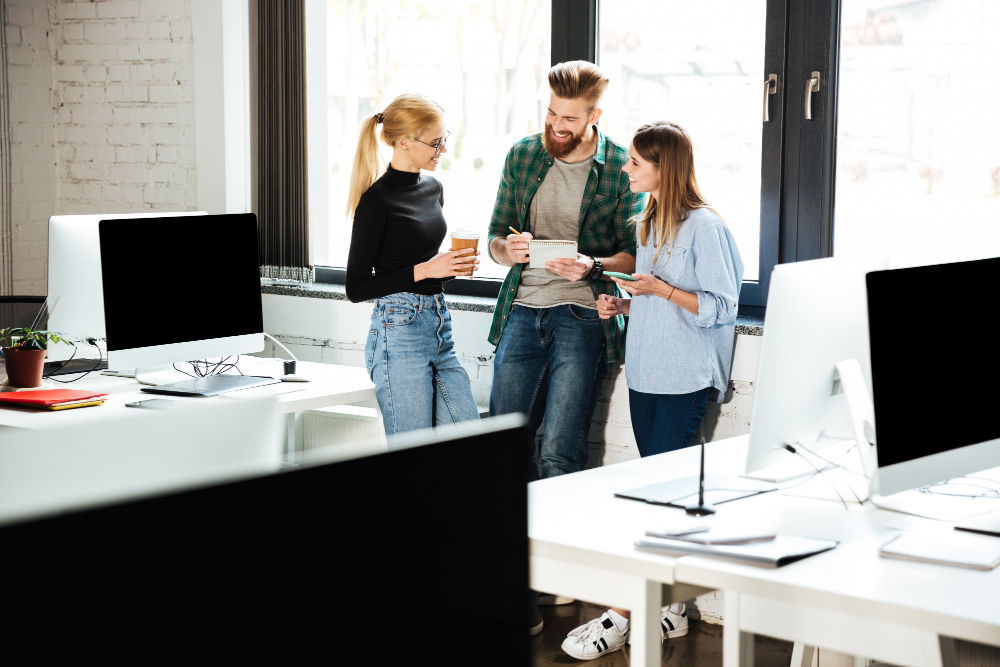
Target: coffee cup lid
[464, 234]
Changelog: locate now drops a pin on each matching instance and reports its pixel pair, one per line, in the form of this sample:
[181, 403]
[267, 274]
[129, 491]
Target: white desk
[848, 599]
[580, 541]
[329, 385]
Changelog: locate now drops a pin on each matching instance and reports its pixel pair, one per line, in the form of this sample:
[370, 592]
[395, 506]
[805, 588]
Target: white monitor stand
[913, 502]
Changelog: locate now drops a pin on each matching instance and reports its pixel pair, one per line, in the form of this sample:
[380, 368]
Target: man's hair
[578, 79]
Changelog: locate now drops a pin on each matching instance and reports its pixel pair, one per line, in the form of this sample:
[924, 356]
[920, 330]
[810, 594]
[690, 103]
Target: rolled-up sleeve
[719, 270]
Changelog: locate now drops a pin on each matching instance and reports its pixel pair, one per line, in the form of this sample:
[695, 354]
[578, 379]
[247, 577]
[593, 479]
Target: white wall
[222, 104]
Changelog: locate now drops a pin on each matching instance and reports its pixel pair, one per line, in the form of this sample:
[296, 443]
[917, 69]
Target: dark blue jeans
[665, 422]
[550, 366]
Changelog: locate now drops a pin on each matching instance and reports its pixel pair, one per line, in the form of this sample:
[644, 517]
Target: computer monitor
[815, 317]
[325, 562]
[926, 375]
[75, 272]
[180, 288]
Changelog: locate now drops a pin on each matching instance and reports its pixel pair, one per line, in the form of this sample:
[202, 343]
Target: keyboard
[210, 385]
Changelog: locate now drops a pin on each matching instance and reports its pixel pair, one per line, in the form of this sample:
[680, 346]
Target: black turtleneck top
[397, 225]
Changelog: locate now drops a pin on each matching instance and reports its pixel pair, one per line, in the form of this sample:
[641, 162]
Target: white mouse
[293, 378]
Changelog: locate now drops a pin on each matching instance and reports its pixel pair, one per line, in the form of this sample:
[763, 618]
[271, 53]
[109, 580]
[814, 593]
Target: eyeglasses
[439, 146]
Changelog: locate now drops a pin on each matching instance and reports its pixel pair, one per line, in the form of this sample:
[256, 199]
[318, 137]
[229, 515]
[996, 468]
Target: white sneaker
[673, 621]
[596, 638]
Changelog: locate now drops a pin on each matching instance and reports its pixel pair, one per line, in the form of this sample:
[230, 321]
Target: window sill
[746, 326]
[473, 304]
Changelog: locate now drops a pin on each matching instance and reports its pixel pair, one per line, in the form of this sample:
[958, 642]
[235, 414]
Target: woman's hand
[611, 306]
[447, 264]
[517, 247]
[644, 284]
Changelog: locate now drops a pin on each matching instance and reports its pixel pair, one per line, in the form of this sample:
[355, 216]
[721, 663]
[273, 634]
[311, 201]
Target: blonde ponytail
[366, 164]
[407, 116]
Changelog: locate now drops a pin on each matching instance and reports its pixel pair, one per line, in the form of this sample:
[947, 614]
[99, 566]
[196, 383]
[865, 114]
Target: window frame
[797, 194]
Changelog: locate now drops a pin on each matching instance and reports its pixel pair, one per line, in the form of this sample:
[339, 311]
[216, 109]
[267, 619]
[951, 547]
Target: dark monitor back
[925, 379]
[180, 279]
[377, 560]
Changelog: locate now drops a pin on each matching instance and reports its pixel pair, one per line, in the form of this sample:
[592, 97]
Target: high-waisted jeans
[410, 356]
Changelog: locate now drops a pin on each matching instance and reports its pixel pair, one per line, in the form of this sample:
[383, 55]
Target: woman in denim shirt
[682, 317]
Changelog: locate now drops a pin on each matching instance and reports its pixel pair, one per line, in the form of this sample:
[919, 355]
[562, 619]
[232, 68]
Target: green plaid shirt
[606, 225]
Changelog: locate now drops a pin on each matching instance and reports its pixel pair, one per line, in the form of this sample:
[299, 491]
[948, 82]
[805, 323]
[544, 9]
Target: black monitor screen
[931, 357]
[413, 552]
[180, 279]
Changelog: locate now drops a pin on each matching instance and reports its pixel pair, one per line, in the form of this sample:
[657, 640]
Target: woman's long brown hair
[668, 147]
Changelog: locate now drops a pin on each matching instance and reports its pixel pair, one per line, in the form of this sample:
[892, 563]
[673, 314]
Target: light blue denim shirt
[668, 349]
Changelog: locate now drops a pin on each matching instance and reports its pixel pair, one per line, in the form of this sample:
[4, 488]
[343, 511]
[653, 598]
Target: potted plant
[24, 354]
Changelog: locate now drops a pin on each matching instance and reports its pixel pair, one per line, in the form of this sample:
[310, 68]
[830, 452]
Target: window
[918, 140]
[484, 61]
[899, 152]
[698, 64]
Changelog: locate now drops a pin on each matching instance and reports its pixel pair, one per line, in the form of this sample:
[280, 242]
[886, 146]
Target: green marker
[620, 276]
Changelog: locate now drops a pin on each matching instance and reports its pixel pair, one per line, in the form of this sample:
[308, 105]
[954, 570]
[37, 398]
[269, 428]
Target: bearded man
[552, 348]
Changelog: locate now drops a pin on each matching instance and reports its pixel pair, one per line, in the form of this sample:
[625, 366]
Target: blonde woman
[682, 321]
[394, 259]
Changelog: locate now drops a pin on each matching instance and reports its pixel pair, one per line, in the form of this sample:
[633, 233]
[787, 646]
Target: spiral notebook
[541, 251]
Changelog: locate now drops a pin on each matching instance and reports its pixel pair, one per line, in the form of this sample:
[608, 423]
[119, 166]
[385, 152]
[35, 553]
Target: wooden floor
[702, 647]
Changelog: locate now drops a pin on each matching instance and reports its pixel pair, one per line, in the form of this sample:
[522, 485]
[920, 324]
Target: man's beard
[559, 149]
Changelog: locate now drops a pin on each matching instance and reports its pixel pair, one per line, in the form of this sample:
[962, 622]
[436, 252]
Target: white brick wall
[102, 112]
[124, 98]
[33, 149]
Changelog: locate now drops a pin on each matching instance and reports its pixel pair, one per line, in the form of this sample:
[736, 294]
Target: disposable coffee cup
[464, 238]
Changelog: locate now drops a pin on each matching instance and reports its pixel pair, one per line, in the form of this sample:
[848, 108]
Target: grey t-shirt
[554, 213]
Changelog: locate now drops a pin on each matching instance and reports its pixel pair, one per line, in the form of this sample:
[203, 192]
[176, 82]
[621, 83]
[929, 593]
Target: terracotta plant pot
[24, 367]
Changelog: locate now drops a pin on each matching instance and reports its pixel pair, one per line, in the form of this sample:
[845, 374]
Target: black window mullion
[809, 151]
[753, 296]
[575, 30]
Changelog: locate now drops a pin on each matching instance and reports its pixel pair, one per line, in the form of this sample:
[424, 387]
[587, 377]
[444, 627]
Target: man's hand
[572, 269]
[517, 247]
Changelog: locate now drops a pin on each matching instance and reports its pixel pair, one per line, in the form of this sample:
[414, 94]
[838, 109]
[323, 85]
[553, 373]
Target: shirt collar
[401, 177]
[601, 145]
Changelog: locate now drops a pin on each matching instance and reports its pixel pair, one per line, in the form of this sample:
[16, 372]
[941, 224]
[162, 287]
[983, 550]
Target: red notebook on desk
[51, 398]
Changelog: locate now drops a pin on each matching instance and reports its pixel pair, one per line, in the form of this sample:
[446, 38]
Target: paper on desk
[541, 251]
[973, 552]
[782, 550]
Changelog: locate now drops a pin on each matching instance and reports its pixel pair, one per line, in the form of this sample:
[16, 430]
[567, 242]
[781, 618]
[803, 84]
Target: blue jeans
[410, 356]
[665, 422]
[550, 366]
